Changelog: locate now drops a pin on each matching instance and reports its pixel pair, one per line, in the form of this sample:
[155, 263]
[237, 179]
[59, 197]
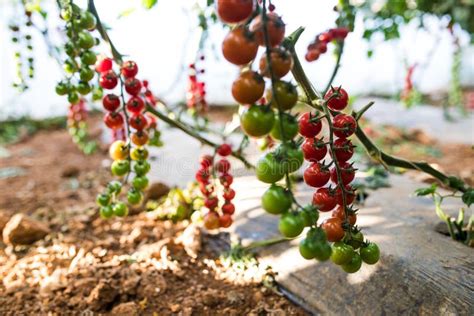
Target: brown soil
[130, 266]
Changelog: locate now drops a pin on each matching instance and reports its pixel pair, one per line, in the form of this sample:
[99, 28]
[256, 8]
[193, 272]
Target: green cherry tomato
[134, 196]
[290, 127]
[97, 94]
[317, 234]
[87, 20]
[307, 248]
[62, 88]
[356, 241]
[141, 167]
[140, 183]
[269, 169]
[291, 157]
[120, 209]
[106, 212]
[322, 251]
[85, 40]
[120, 167]
[353, 265]
[73, 97]
[276, 200]
[88, 58]
[114, 187]
[291, 225]
[257, 120]
[70, 50]
[310, 215]
[83, 88]
[341, 253]
[287, 95]
[139, 153]
[103, 199]
[69, 66]
[86, 74]
[370, 254]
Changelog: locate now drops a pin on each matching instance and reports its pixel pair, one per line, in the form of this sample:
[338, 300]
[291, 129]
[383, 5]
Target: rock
[156, 190]
[210, 298]
[152, 284]
[22, 230]
[4, 217]
[191, 239]
[126, 309]
[102, 295]
[70, 172]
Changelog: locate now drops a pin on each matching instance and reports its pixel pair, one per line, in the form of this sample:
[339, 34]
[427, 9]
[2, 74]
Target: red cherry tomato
[225, 220]
[349, 194]
[324, 199]
[224, 150]
[113, 120]
[133, 86]
[135, 105]
[347, 173]
[343, 149]
[138, 122]
[223, 165]
[338, 98]
[275, 29]
[307, 127]
[239, 46]
[316, 175]
[345, 125]
[248, 88]
[314, 149]
[228, 208]
[211, 203]
[339, 213]
[333, 228]
[111, 102]
[129, 69]
[103, 64]
[108, 80]
[234, 11]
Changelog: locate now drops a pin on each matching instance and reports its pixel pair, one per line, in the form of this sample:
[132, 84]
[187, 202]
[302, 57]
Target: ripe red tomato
[275, 29]
[339, 213]
[345, 125]
[333, 228]
[108, 80]
[111, 102]
[343, 149]
[113, 120]
[225, 220]
[340, 32]
[350, 195]
[226, 180]
[307, 127]
[248, 88]
[347, 173]
[239, 46]
[211, 220]
[223, 165]
[316, 175]
[211, 202]
[103, 64]
[281, 62]
[206, 161]
[133, 86]
[314, 149]
[229, 194]
[138, 122]
[135, 105]
[224, 150]
[129, 69]
[139, 138]
[340, 99]
[324, 199]
[325, 37]
[202, 176]
[228, 208]
[234, 11]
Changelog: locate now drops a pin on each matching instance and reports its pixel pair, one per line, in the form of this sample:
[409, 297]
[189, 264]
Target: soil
[132, 266]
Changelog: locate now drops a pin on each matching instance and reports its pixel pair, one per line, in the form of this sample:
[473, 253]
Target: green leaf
[468, 197]
[441, 214]
[126, 12]
[148, 4]
[425, 191]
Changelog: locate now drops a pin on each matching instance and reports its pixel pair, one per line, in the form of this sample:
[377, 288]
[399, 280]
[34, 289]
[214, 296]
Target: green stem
[340, 51]
[266, 242]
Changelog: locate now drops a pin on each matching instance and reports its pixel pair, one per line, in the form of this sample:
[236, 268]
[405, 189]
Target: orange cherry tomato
[239, 46]
[333, 228]
[275, 29]
[248, 88]
[281, 60]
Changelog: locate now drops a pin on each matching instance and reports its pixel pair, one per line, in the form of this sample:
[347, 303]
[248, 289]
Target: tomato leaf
[425, 191]
[148, 4]
[468, 197]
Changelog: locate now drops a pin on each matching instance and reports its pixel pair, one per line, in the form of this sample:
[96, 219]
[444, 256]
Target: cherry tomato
[114, 187]
[286, 95]
[133, 86]
[120, 209]
[229, 194]
[111, 102]
[370, 253]
[308, 127]
[339, 98]
[316, 175]
[120, 167]
[202, 176]
[139, 153]
[87, 20]
[314, 149]
[141, 167]
[248, 88]
[310, 215]
[290, 127]
[138, 121]
[129, 69]
[239, 46]
[354, 265]
[108, 80]
[85, 40]
[83, 88]
[86, 74]
[269, 169]
[103, 64]
[223, 165]
[339, 213]
[281, 62]
[106, 212]
[257, 121]
[322, 251]
[275, 29]
[224, 150]
[134, 196]
[206, 161]
[343, 149]
[140, 138]
[211, 202]
[291, 225]
[113, 120]
[211, 220]
[340, 32]
[324, 199]
[356, 241]
[135, 105]
[333, 228]
[276, 200]
[349, 195]
[103, 199]
[325, 37]
[228, 208]
[345, 125]
[291, 157]
[307, 248]
[226, 180]
[225, 220]
[234, 11]
[140, 182]
[347, 173]
[341, 253]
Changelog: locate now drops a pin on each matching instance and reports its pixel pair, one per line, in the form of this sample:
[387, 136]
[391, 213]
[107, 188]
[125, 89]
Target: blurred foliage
[12, 131]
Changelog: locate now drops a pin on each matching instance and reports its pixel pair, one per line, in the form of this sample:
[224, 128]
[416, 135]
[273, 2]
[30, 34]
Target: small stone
[102, 295]
[70, 172]
[210, 298]
[22, 230]
[191, 240]
[156, 190]
[126, 309]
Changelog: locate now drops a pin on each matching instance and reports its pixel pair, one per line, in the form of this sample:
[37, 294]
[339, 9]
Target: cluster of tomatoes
[77, 127]
[214, 178]
[196, 93]
[320, 44]
[408, 87]
[130, 154]
[81, 59]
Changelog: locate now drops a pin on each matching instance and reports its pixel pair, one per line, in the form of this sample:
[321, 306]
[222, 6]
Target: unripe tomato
[316, 175]
[370, 253]
[120, 167]
[257, 121]
[307, 248]
[234, 11]
[239, 46]
[322, 251]
[339, 98]
[62, 88]
[324, 199]
[281, 62]
[129, 69]
[276, 200]
[134, 196]
[85, 40]
[307, 127]
[211, 220]
[106, 212]
[103, 199]
[248, 88]
[118, 150]
[83, 87]
[140, 138]
[141, 167]
[269, 169]
[291, 225]
[120, 209]
[314, 149]
[356, 240]
[139, 153]
[354, 265]
[88, 58]
[275, 29]
[333, 228]
[286, 95]
[341, 253]
[290, 127]
[87, 20]
[345, 125]
[86, 74]
[114, 187]
[140, 182]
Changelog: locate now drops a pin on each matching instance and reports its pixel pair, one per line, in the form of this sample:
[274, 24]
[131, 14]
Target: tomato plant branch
[340, 51]
[266, 242]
